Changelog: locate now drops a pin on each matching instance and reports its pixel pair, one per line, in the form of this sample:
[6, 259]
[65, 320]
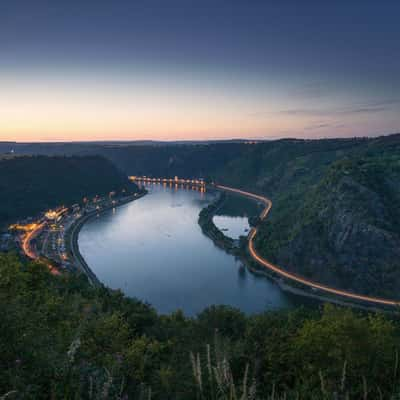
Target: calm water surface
[233, 227]
[153, 249]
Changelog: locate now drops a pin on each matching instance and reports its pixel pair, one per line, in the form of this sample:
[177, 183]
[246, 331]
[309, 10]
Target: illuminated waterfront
[153, 249]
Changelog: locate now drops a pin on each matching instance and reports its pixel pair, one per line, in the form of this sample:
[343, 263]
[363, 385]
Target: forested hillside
[29, 185]
[62, 339]
[335, 209]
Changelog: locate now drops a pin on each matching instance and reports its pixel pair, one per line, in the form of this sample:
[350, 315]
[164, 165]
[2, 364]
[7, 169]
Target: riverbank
[154, 250]
[208, 227]
[243, 252]
[72, 236]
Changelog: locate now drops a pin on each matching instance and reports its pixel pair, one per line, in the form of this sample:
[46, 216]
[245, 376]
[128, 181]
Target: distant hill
[29, 185]
[200, 160]
[187, 159]
[96, 147]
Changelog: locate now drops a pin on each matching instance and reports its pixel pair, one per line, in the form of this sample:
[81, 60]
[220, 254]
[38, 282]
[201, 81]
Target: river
[153, 249]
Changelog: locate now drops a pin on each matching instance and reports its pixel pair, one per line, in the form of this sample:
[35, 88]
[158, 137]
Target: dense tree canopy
[62, 339]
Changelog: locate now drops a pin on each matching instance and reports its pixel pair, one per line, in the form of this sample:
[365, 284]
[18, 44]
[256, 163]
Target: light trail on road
[26, 247]
[26, 242]
[291, 276]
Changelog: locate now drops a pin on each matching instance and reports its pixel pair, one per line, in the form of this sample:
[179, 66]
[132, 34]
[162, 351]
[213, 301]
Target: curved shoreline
[274, 269]
[73, 235]
[225, 244]
[273, 272]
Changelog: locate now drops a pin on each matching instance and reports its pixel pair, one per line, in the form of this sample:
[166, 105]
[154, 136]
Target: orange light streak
[291, 276]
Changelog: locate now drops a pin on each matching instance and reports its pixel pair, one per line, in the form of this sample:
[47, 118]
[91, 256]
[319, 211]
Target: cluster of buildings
[176, 180]
[198, 184]
[48, 236]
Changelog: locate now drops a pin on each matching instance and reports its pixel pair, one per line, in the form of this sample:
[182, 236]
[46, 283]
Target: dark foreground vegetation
[62, 339]
[29, 185]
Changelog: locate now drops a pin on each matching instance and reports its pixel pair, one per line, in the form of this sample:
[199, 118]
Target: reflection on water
[153, 249]
[233, 227]
[232, 216]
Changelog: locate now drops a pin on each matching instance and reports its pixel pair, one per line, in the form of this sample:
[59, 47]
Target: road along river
[292, 277]
[153, 249]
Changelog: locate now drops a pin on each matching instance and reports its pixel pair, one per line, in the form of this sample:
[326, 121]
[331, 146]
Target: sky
[193, 70]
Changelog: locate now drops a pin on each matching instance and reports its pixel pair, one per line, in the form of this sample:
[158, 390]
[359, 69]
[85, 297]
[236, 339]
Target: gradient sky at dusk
[96, 70]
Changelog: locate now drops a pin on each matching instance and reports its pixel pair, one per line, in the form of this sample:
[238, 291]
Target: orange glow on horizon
[55, 109]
